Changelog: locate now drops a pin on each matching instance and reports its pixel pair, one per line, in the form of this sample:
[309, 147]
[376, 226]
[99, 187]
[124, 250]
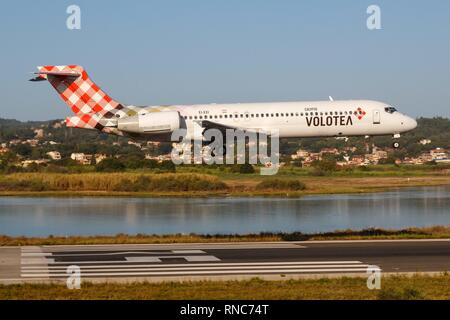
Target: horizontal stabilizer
[56, 71]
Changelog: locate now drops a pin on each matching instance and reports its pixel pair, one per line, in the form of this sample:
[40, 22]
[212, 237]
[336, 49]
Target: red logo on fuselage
[360, 113]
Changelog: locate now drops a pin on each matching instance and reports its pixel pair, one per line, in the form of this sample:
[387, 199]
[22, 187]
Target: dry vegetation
[128, 182]
[393, 287]
[437, 232]
[199, 184]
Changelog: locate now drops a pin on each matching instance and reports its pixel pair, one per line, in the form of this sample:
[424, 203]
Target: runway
[271, 260]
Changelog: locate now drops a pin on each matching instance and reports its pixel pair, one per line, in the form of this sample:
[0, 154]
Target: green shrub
[400, 294]
[167, 165]
[325, 165]
[245, 168]
[110, 165]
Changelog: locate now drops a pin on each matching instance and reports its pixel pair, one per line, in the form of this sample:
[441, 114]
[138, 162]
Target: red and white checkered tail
[80, 93]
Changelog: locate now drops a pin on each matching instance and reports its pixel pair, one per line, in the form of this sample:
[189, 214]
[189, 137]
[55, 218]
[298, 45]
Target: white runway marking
[201, 258]
[218, 267]
[282, 263]
[143, 259]
[208, 272]
[118, 253]
[138, 262]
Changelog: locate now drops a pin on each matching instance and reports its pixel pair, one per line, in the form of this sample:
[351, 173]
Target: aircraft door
[376, 117]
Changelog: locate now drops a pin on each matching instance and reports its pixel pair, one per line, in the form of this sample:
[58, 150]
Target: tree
[246, 168]
[326, 165]
[167, 165]
[110, 165]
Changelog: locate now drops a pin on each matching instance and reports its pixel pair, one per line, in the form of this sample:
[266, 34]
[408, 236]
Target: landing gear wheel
[396, 145]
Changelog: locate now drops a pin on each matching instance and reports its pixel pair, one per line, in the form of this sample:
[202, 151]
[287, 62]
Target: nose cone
[413, 123]
[410, 123]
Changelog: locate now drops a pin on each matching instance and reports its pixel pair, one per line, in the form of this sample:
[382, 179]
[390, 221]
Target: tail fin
[79, 92]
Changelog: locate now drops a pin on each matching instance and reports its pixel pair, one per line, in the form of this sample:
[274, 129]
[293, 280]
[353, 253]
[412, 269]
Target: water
[30, 216]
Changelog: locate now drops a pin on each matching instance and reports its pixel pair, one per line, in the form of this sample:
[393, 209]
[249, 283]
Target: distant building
[82, 158]
[438, 154]
[58, 125]
[39, 133]
[4, 149]
[300, 154]
[31, 142]
[357, 160]
[15, 142]
[137, 144]
[425, 141]
[27, 163]
[54, 155]
[329, 151]
[159, 158]
[100, 157]
[350, 149]
[425, 157]
[376, 155]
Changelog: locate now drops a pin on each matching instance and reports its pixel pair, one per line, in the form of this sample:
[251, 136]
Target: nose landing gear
[396, 144]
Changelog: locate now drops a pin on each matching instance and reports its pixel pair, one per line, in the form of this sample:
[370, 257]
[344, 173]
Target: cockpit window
[390, 109]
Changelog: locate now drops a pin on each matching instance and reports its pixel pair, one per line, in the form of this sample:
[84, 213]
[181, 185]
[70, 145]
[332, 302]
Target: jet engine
[151, 123]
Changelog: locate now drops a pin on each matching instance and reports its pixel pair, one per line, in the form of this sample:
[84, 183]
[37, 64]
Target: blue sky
[186, 52]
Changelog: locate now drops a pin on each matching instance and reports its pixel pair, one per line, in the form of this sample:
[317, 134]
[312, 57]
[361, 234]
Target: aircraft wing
[206, 124]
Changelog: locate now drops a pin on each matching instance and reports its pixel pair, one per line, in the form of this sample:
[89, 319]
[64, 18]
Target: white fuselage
[302, 119]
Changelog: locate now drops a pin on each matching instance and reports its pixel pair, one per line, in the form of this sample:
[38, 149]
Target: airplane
[94, 109]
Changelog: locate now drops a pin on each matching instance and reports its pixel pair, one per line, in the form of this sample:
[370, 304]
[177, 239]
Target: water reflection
[89, 216]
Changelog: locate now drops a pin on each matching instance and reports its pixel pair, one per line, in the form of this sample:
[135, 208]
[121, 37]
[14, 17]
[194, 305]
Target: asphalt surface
[222, 261]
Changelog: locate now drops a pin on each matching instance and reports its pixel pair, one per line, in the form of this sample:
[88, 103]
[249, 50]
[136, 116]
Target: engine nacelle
[151, 123]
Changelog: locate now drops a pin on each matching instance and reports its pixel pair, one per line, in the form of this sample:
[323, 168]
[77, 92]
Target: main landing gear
[396, 144]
